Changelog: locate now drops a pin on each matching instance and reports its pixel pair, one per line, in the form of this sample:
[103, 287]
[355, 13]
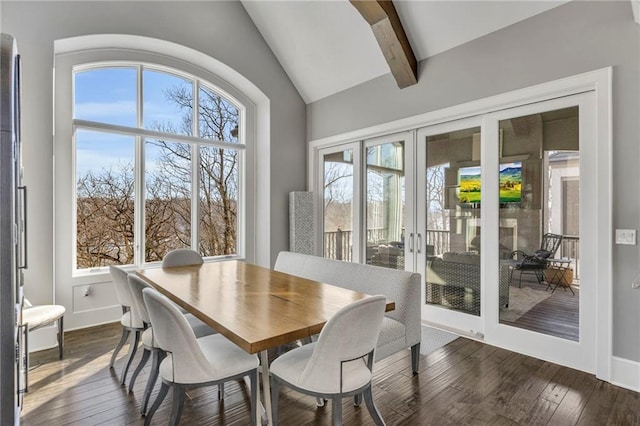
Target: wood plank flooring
[558, 315]
[465, 382]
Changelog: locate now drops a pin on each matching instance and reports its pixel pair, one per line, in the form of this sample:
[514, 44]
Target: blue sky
[109, 96]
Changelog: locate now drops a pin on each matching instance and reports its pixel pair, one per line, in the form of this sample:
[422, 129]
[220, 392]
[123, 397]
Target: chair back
[136, 285]
[123, 292]
[182, 257]
[173, 334]
[551, 243]
[351, 333]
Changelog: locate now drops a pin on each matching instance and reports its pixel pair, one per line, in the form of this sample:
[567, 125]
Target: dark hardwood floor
[465, 382]
[558, 315]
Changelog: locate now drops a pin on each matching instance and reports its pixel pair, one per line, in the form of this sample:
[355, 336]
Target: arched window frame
[65, 126]
[142, 135]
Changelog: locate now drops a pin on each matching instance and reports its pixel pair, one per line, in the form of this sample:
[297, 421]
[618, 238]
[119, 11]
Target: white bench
[401, 327]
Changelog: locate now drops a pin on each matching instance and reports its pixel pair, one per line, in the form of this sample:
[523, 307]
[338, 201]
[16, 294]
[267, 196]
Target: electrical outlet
[626, 236]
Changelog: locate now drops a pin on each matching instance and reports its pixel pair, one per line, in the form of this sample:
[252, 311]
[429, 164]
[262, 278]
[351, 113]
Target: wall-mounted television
[469, 193]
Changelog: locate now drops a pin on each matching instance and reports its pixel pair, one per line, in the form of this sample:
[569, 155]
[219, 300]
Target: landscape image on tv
[510, 184]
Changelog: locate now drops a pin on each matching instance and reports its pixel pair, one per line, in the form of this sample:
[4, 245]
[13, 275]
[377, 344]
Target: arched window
[158, 160]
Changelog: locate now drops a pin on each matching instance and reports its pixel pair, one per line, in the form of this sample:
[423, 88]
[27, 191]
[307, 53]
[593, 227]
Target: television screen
[510, 184]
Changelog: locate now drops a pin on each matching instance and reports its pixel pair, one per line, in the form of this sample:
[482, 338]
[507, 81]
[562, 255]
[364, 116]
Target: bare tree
[105, 198]
[338, 195]
[104, 217]
[436, 214]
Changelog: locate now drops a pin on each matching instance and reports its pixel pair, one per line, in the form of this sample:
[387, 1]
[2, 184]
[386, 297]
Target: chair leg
[357, 400]
[133, 347]
[253, 377]
[275, 394]
[373, 410]
[336, 410]
[145, 356]
[178, 404]
[61, 336]
[415, 358]
[157, 356]
[220, 391]
[161, 395]
[123, 339]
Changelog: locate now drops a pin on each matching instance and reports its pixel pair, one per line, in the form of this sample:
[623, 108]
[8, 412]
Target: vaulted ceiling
[328, 46]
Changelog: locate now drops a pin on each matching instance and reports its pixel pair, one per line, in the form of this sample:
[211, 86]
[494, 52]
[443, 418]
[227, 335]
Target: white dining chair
[181, 257]
[130, 320]
[150, 346]
[194, 362]
[339, 364]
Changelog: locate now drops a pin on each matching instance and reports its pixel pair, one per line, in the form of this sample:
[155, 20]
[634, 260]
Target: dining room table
[255, 307]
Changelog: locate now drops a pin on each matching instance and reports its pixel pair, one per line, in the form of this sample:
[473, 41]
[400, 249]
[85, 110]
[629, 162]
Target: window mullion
[195, 166]
[139, 173]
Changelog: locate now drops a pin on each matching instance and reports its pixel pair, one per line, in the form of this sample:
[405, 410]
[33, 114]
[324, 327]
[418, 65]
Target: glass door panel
[338, 190]
[385, 194]
[539, 232]
[453, 212]
[545, 149]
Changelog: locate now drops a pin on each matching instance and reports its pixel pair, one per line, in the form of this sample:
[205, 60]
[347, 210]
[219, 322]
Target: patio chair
[535, 262]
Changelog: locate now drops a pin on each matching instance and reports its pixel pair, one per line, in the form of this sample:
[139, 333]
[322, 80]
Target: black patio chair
[535, 262]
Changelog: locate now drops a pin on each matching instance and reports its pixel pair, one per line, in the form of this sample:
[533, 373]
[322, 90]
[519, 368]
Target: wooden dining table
[257, 308]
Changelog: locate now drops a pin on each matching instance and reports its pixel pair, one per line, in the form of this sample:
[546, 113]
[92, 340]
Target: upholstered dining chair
[35, 317]
[130, 320]
[194, 362]
[339, 364]
[149, 346]
[181, 257]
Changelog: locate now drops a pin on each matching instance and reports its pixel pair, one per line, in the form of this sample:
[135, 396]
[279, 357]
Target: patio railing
[337, 245]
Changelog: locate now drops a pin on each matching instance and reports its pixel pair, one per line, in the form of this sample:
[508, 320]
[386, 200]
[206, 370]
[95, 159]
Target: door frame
[598, 81]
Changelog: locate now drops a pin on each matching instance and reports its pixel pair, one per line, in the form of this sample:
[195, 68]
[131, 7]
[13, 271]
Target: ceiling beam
[393, 41]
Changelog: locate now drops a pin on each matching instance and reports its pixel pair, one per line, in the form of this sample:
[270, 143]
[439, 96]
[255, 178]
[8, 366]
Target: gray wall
[223, 30]
[577, 37]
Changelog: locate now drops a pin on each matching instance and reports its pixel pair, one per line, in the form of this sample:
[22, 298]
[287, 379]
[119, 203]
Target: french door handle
[411, 242]
[22, 229]
[418, 249]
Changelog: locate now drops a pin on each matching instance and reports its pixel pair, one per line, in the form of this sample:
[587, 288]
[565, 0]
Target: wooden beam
[393, 41]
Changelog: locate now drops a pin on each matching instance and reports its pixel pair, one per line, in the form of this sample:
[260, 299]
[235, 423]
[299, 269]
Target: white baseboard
[625, 373]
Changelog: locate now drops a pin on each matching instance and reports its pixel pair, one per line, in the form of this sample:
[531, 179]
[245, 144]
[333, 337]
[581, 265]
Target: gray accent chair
[130, 320]
[401, 328]
[194, 362]
[150, 346]
[339, 364]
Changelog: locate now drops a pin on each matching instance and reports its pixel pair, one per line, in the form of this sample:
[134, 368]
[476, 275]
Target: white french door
[492, 186]
[448, 261]
[567, 151]
[455, 198]
[363, 193]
